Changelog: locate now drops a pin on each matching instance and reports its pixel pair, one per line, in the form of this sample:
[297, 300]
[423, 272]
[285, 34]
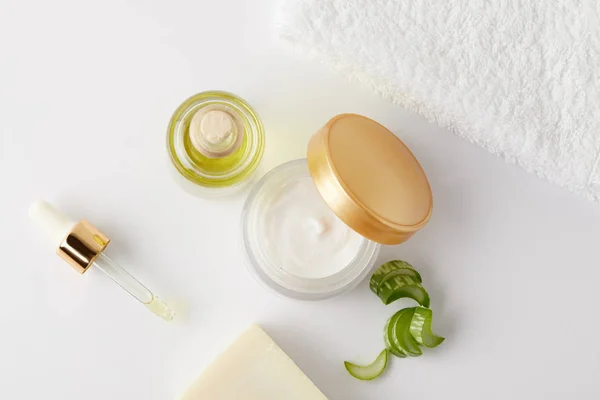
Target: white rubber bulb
[51, 221]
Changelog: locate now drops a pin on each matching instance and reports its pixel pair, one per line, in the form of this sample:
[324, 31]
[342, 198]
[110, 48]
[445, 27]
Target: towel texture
[520, 78]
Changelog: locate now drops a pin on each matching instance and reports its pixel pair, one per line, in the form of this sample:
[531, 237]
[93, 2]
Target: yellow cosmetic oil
[215, 139]
[160, 308]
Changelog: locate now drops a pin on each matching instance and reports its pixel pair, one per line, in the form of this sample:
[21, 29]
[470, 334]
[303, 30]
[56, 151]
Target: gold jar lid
[370, 179]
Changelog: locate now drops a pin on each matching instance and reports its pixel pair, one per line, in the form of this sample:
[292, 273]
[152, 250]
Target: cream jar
[312, 228]
[215, 141]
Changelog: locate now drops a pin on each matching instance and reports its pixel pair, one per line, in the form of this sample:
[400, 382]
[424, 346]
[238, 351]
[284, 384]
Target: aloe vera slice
[420, 328]
[396, 352]
[395, 282]
[402, 286]
[397, 334]
[389, 333]
[392, 268]
[371, 371]
[401, 335]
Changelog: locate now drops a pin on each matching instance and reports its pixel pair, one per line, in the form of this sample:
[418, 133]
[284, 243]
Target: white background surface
[86, 92]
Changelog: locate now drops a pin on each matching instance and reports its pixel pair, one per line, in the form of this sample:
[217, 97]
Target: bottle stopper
[215, 132]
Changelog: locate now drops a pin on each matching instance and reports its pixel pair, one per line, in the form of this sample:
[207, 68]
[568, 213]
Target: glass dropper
[82, 245]
[133, 286]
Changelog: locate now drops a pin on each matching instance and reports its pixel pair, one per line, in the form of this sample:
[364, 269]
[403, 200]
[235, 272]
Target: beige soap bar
[253, 368]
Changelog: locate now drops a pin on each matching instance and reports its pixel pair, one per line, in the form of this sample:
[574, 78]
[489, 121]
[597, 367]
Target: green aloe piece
[402, 286]
[420, 328]
[390, 269]
[401, 333]
[398, 334]
[388, 333]
[371, 371]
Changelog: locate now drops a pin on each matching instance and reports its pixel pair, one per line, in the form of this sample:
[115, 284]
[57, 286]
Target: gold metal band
[81, 247]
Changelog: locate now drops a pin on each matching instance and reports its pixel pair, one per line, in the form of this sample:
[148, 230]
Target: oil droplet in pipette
[160, 308]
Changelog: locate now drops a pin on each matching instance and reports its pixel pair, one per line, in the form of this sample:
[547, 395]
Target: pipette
[83, 246]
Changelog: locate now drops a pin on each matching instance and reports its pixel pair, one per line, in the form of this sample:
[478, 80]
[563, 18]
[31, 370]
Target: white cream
[303, 236]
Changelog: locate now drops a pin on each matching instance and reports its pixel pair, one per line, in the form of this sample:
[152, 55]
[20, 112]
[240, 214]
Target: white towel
[520, 78]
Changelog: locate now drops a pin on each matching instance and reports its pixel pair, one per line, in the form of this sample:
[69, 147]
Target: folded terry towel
[519, 78]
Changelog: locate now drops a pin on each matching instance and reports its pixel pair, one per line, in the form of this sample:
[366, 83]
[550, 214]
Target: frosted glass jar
[270, 269]
[363, 179]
